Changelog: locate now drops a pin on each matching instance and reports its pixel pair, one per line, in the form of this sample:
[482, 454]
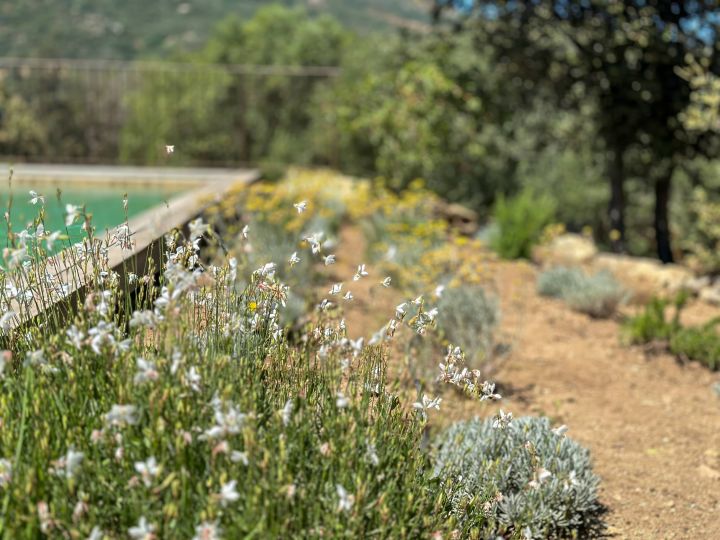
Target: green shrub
[485, 461]
[468, 317]
[521, 220]
[700, 343]
[598, 295]
[651, 324]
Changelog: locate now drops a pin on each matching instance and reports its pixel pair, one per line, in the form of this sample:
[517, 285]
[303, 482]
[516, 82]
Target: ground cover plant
[694, 342]
[541, 480]
[597, 295]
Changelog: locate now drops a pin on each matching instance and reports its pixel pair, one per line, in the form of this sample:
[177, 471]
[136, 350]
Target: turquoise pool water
[104, 203]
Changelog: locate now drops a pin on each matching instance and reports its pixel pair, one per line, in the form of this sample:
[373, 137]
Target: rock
[565, 250]
[642, 276]
[458, 216]
[711, 294]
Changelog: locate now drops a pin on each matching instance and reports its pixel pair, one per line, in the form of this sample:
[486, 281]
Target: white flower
[372, 454]
[5, 357]
[96, 534]
[386, 282]
[121, 415]
[400, 311]
[228, 493]
[6, 321]
[341, 401]
[560, 430]
[207, 531]
[5, 472]
[142, 531]
[426, 404]
[330, 259]
[228, 420]
[245, 231]
[35, 197]
[146, 371]
[193, 379]
[286, 412]
[169, 148]
[502, 420]
[418, 300]
[51, 239]
[147, 470]
[72, 212]
[35, 358]
[336, 288]
[239, 457]
[75, 336]
[346, 500]
[539, 477]
[348, 296]
[294, 259]
[361, 272]
[301, 206]
[267, 270]
[198, 228]
[69, 464]
[439, 290]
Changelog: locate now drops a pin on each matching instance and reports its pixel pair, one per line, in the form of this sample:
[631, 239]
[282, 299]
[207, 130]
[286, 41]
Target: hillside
[137, 28]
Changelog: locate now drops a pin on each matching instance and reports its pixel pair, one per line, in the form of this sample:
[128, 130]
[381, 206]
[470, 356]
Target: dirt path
[652, 425]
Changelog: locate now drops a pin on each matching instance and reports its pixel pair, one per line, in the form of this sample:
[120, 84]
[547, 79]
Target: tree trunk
[616, 208]
[662, 223]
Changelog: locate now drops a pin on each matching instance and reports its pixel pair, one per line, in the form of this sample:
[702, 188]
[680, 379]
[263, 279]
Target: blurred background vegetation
[607, 108]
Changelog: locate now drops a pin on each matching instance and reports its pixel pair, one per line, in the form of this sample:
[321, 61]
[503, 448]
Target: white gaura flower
[348, 296]
[193, 379]
[245, 231]
[239, 457]
[372, 454]
[75, 337]
[146, 371]
[6, 321]
[361, 272]
[71, 214]
[502, 420]
[426, 404]
[142, 531]
[301, 206]
[330, 259]
[228, 493]
[540, 475]
[294, 259]
[35, 197]
[169, 148]
[439, 290]
[207, 531]
[51, 238]
[560, 430]
[325, 304]
[286, 412]
[198, 228]
[345, 499]
[386, 282]
[418, 300]
[68, 464]
[400, 311]
[335, 289]
[267, 270]
[35, 358]
[5, 472]
[341, 400]
[5, 357]
[148, 470]
[121, 415]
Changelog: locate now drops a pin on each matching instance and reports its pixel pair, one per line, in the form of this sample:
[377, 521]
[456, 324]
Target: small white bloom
[69, 464]
[148, 470]
[330, 259]
[169, 148]
[35, 197]
[439, 290]
[341, 400]
[286, 412]
[146, 371]
[336, 288]
[142, 531]
[96, 534]
[346, 500]
[348, 296]
[294, 259]
[301, 206]
[502, 420]
[207, 531]
[361, 272]
[386, 282]
[121, 415]
[5, 472]
[228, 493]
[198, 228]
[6, 321]
[71, 214]
[426, 403]
[560, 430]
[239, 457]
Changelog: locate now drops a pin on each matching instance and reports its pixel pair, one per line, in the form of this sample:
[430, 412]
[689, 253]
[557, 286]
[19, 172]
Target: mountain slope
[138, 28]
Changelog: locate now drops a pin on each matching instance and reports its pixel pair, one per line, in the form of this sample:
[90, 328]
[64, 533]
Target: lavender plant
[518, 478]
[597, 295]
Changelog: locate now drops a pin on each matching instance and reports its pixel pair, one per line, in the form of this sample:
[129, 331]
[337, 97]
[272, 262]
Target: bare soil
[651, 423]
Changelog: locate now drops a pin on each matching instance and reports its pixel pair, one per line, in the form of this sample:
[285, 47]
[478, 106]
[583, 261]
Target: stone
[565, 250]
[708, 472]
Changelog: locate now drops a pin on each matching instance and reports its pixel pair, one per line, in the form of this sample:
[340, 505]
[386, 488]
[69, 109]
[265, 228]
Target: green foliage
[651, 324]
[598, 295]
[483, 461]
[136, 28]
[521, 220]
[701, 235]
[700, 343]
[468, 317]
